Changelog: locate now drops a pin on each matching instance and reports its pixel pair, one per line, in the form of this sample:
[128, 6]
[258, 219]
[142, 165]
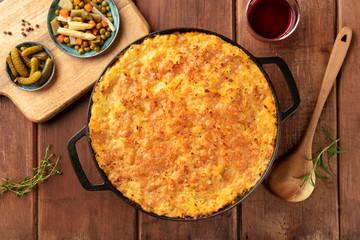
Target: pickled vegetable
[55, 26]
[89, 23]
[102, 31]
[81, 51]
[11, 66]
[77, 19]
[31, 50]
[80, 13]
[76, 34]
[97, 40]
[18, 63]
[96, 17]
[66, 4]
[29, 80]
[46, 72]
[79, 26]
[34, 65]
[23, 48]
[42, 56]
[27, 61]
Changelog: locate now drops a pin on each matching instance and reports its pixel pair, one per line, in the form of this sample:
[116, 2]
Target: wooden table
[61, 209]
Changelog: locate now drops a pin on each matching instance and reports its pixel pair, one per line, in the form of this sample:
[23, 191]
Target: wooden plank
[66, 210]
[71, 79]
[264, 216]
[349, 125]
[17, 146]
[212, 15]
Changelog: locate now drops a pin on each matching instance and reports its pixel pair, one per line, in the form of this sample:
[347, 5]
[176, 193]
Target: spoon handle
[338, 53]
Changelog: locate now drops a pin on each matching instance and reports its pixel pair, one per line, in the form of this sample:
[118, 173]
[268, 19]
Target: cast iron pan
[281, 116]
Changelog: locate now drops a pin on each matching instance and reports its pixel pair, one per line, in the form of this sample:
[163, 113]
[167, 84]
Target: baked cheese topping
[183, 123]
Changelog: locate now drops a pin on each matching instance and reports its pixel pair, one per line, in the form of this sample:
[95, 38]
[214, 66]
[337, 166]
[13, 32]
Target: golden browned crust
[183, 123]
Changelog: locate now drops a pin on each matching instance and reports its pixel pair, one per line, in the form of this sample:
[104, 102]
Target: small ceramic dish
[70, 50]
[31, 87]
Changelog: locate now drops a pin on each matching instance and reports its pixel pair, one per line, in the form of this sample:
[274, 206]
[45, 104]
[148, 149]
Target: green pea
[67, 40]
[57, 12]
[101, 42]
[108, 28]
[98, 26]
[69, 45]
[108, 15]
[77, 47]
[110, 19]
[81, 51]
[107, 34]
[103, 9]
[92, 46]
[77, 8]
[97, 48]
[87, 49]
[107, 8]
[99, 1]
[104, 3]
[102, 31]
[81, 4]
[85, 44]
[103, 37]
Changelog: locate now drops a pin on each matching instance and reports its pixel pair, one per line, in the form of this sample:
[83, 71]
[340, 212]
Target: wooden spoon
[281, 180]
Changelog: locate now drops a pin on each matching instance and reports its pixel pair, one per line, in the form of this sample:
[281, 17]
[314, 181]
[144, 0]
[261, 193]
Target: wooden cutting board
[73, 76]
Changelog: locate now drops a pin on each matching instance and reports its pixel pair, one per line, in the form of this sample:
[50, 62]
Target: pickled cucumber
[46, 72]
[11, 66]
[41, 56]
[34, 65]
[31, 50]
[27, 62]
[18, 63]
[29, 80]
[23, 48]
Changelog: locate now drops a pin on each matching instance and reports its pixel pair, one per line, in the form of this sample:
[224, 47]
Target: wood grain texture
[62, 209]
[349, 125]
[306, 52]
[73, 76]
[212, 15]
[66, 210]
[16, 161]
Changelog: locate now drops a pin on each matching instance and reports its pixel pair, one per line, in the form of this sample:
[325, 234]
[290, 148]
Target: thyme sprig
[44, 170]
[327, 152]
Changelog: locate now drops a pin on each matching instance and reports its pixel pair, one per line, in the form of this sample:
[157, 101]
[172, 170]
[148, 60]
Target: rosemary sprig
[327, 152]
[44, 170]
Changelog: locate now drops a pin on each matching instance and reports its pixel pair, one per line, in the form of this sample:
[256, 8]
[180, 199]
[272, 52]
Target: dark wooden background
[62, 209]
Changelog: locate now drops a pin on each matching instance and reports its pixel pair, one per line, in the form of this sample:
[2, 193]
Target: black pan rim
[240, 198]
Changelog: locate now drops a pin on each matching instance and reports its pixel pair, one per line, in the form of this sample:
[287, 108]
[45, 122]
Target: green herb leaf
[328, 134]
[44, 170]
[329, 151]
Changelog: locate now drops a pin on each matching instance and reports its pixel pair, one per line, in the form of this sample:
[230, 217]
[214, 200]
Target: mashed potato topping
[183, 123]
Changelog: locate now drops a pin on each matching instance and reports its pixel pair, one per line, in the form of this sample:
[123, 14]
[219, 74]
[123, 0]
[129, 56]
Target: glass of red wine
[272, 20]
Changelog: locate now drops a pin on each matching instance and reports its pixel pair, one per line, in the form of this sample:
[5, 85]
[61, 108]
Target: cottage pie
[183, 123]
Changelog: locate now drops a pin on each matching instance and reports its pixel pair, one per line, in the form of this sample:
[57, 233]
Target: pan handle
[77, 166]
[289, 80]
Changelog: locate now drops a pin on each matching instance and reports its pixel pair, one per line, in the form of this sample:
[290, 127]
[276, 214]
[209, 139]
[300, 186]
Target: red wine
[270, 18]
